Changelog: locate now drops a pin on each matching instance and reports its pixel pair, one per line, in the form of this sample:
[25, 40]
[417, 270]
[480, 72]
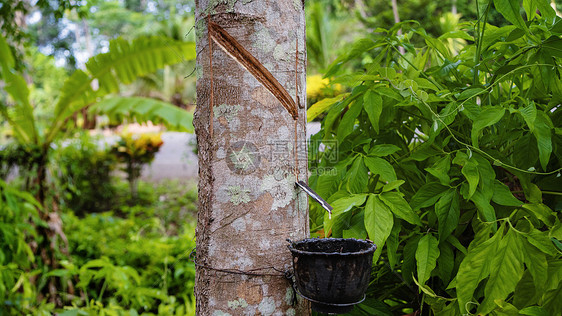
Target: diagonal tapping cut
[248, 61]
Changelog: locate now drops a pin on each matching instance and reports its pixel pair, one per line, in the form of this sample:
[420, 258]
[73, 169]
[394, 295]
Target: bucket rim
[294, 251]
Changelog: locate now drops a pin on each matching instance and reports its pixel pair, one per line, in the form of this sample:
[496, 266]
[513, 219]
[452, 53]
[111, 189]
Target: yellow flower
[156, 140]
[314, 86]
[318, 88]
[140, 142]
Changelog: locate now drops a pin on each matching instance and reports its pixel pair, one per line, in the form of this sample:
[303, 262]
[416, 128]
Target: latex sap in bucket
[332, 273]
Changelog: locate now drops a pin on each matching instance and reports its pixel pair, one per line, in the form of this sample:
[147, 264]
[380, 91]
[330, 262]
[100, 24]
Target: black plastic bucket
[332, 273]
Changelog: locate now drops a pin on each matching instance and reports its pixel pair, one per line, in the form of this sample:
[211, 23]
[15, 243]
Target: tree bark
[247, 144]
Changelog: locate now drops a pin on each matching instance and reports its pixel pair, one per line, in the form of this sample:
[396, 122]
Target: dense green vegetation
[130, 259]
[73, 238]
[449, 159]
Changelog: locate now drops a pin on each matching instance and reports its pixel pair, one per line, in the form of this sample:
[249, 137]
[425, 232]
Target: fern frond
[6, 58]
[124, 63]
[20, 115]
[146, 109]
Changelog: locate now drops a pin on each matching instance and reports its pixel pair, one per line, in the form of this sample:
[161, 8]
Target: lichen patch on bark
[282, 191]
[239, 303]
[262, 40]
[226, 111]
[267, 306]
[213, 4]
[238, 194]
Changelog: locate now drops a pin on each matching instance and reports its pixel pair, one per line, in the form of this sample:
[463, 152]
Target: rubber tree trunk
[248, 122]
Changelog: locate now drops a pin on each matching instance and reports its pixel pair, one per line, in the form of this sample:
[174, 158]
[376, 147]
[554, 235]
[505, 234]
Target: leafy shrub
[130, 262]
[18, 210]
[83, 174]
[24, 157]
[136, 151]
[451, 164]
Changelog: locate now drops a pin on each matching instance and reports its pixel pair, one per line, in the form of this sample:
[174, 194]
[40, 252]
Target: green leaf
[487, 212]
[534, 311]
[382, 167]
[556, 27]
[392, 185]
[322, 106]
[6, 57]
[440, 170]
[387, 72]
[378, 222]
[146, 109]
[456, 34]
[557, 243]
[342, 206]
[409, 254]
[529, 114]
[536, 263]
[470, 93]
[541, 241]
[543, 6]
[383, 150]
[426, 257]
[335, 113]
[438, 46]
[553, 46]
[20, 116]
[553, 300]
[470, 172]
[487, 117]
[400, 207]
[357, 176]
[348, 121]
[72, 312]
[427, 195]
[543, 134]
[448, 67]
[372, 103]
[503, 196]
[505, 271]
[533, 193]
[541, 212]
[456, 243]
[356, 227]
[445, 262]
[447, 210]
[356, 49]
[392, 243]
[525, 293]
[494, 34]
[487, 175]
[450, 310]
[502, 308]
[474, 268]
[510, 11]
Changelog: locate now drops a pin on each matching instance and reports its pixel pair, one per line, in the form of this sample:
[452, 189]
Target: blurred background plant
[83, 175]
[135, 151]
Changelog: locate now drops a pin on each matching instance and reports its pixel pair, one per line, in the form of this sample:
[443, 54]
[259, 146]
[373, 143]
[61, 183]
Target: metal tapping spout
[315, 197]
